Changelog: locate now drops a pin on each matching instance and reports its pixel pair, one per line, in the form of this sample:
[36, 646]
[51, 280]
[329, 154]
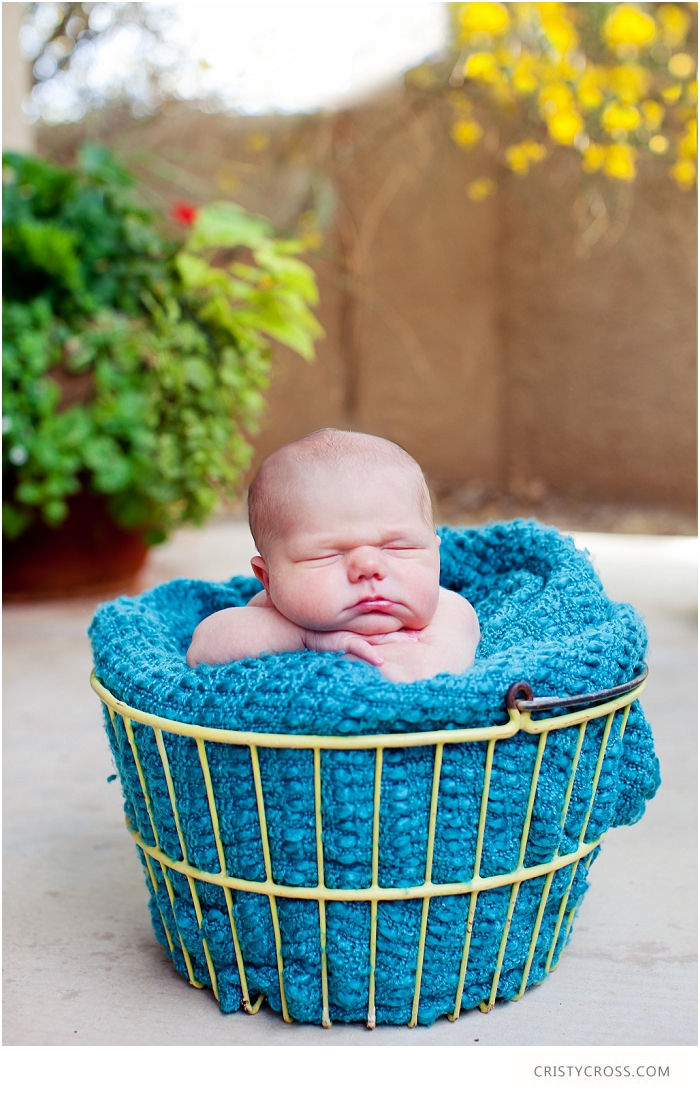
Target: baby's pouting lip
[374, 604]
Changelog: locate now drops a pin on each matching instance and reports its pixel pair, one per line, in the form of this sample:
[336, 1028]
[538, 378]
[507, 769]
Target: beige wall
[500, 342]
[17, 134]
[599, 352]
[426, 325]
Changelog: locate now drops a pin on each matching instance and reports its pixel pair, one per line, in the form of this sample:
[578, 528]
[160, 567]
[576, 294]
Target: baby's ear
[261, 571]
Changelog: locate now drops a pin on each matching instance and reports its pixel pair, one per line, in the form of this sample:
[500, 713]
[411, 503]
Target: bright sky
[298, 56]
[261, 55]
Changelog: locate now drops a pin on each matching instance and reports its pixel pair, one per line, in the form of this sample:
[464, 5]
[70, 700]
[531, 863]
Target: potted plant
[134, 365]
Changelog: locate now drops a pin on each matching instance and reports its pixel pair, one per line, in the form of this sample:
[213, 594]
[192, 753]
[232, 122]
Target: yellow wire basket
[522, 708]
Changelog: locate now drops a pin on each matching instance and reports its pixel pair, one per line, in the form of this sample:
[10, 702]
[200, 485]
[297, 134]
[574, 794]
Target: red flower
[184, 214]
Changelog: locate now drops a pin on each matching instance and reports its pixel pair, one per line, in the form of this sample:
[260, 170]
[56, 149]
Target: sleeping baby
[349, 559]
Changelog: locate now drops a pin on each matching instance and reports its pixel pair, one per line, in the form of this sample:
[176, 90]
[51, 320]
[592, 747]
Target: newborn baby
[349, 559]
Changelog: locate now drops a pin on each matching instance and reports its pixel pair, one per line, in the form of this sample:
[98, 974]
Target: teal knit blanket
[544, 618]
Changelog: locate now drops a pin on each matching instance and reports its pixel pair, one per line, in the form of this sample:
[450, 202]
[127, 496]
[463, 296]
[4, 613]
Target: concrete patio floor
[82, 966]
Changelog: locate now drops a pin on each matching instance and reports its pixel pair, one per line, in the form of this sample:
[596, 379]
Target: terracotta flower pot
[88, 554]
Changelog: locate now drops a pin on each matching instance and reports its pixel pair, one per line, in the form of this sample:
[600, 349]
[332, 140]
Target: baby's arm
[242, 631]
[245, 631]
[447, 644]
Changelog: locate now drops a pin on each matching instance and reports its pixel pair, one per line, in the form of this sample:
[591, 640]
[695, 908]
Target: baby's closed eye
[402, 549]
[320, 561]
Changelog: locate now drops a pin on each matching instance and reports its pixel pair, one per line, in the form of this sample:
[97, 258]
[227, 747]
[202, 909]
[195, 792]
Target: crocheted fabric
[544, 618]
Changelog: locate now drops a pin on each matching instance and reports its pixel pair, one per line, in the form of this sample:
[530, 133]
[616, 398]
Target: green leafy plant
[134, 364]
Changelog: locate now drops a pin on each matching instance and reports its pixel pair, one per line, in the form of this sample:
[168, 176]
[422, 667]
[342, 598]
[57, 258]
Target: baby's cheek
[323, 602]
[426, 602]
[308, 602]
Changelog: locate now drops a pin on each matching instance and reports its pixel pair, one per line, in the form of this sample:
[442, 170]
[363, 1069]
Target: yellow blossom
[481, 188]
[531, 53]
[627, 26]
[504, 56]
[258, 141]
[558, 29]
[521, 157]
[591, 87]
[501, 91]
[483, 19]
[482, 67]
[564, 126]
[312, 240]
[653, 113]
[681, 66]
[675, 24]
[308, 230]
[629, 82]
[688, 144]
[536, 151]
[466, 133]
[524, 77]
[555, 97]
[460, 103]
[619, 161]
[593, 158]
[685, 113]
[620, 116]
[570, 70]
[562, 35]
[672, 94]
[228, 180]
[659, 144]
[684, 172]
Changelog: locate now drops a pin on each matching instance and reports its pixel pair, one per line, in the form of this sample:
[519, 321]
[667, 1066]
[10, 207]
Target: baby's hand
[354, 644]
[398, 635]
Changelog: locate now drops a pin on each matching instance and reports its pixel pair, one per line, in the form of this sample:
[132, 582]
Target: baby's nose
[366, 563]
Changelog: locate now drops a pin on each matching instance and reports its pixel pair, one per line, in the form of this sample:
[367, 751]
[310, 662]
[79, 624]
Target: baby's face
[355, 552]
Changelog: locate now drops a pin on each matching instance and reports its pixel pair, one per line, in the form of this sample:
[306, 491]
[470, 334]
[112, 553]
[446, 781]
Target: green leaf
[55, 511]
[227, 225]
[14, 520]
[53, 250]
[197, 274]
[292, 273]
[99, 162]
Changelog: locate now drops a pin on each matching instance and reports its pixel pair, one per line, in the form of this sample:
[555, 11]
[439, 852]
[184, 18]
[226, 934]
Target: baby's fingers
[412, 635]
[356, 646]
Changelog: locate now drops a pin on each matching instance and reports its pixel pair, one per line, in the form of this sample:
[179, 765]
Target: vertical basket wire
[160, 866]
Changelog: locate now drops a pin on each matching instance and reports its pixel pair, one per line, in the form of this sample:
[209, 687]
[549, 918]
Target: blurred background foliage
[62, 41]
[134, 362]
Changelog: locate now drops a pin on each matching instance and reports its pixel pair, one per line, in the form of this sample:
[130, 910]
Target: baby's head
[344, 530]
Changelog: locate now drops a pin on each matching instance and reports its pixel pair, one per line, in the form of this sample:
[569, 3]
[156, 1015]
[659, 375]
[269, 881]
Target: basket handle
[528, 703]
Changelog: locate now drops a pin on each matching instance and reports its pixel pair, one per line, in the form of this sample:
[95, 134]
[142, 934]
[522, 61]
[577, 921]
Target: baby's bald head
[284, 472]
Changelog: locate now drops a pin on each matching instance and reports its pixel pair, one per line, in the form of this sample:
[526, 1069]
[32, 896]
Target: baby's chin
[368, 625]
[373, 623]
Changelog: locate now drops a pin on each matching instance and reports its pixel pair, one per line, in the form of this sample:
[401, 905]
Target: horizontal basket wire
[159, 865]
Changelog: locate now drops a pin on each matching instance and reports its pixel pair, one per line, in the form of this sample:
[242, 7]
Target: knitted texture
[544, 619]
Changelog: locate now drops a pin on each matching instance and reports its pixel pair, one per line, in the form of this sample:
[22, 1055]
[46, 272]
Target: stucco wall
[17, 134]
[598, 348]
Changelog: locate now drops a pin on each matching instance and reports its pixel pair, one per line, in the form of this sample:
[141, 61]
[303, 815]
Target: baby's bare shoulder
[454, 612]
[239, 632]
